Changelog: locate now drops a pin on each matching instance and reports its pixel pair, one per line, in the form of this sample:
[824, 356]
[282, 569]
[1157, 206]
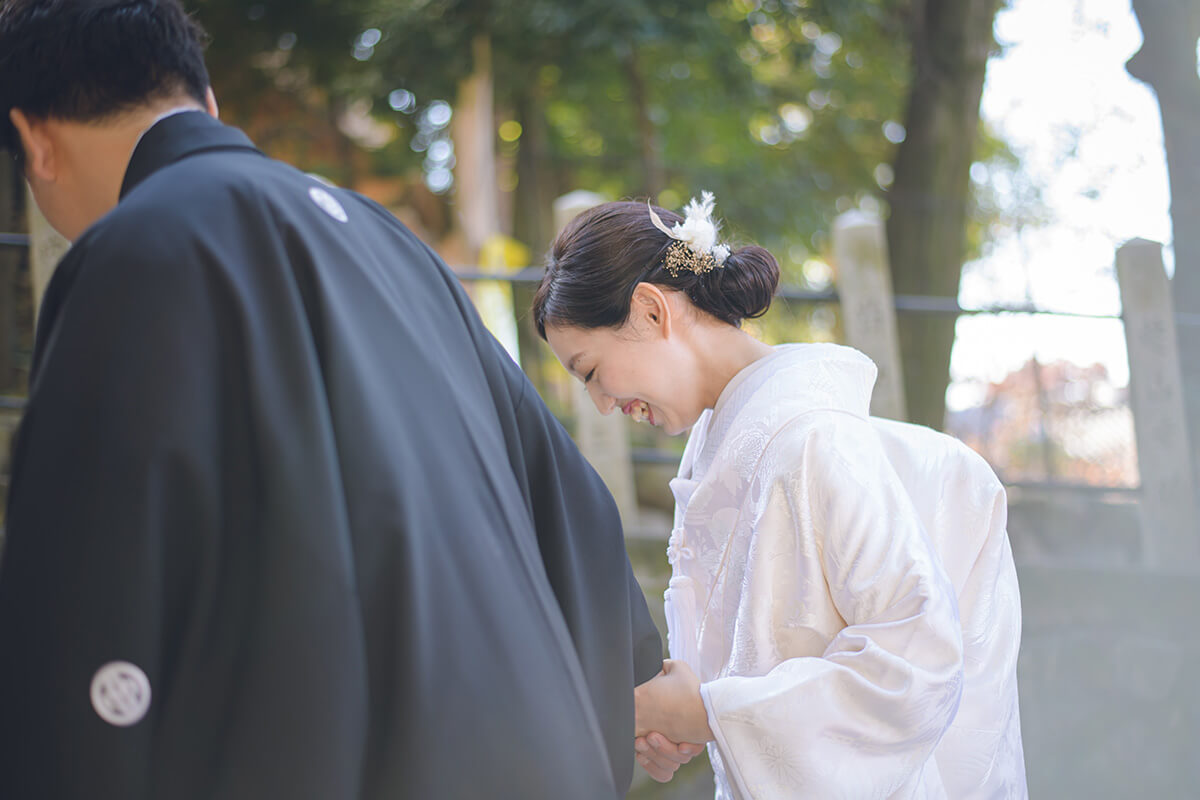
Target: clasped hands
[671, 723]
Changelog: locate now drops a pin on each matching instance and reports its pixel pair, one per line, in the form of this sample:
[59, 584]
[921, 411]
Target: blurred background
[998, 201]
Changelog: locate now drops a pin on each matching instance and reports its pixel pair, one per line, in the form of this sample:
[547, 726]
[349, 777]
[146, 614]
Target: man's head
[79, 82]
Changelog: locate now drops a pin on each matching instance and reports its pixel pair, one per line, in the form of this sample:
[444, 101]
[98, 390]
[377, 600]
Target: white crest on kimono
[326, 202]
[120, 693]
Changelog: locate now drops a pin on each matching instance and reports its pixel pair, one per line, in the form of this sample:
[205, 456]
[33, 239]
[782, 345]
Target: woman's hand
[661, 757]
[670, 704]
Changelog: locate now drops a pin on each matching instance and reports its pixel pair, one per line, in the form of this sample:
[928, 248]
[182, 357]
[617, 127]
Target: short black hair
[86, 60]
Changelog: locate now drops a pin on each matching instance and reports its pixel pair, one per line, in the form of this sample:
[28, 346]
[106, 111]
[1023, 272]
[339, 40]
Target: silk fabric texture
[274, 462]
[844, 588]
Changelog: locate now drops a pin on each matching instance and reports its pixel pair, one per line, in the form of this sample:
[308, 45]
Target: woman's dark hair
[85, 60]
[601, 256]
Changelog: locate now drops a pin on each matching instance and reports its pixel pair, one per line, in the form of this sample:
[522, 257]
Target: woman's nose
[604, 403]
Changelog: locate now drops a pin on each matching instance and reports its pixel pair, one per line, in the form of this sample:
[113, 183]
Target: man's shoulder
[144, 230]
[231, 183]
[156, 236]
[209, 197]
[215, 191]
[234, 212]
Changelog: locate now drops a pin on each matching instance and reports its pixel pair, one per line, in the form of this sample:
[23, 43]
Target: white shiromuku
[844, 588]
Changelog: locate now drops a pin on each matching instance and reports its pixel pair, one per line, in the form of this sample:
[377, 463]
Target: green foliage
[262, 47]
[778, 106]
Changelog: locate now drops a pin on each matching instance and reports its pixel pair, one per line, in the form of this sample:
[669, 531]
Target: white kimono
[844, 588]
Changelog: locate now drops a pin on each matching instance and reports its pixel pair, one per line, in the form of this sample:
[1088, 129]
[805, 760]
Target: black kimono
[286, 522]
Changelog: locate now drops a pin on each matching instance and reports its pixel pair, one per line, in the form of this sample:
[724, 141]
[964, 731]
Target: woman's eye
[588, 378]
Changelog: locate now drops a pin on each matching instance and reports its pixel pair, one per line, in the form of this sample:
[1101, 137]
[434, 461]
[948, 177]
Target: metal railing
[904, 304]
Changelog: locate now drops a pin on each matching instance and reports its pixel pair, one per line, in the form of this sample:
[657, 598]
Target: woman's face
[640, 369]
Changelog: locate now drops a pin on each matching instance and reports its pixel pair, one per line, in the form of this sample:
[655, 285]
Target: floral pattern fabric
[844, 588]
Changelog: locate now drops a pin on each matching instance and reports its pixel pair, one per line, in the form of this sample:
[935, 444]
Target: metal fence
[1058, 426]
[1089, 479]
[1061, 435]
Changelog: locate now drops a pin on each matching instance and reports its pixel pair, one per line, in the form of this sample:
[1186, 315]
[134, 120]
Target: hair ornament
[695, 248]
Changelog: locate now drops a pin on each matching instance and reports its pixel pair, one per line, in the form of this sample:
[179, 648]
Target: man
[285, 521]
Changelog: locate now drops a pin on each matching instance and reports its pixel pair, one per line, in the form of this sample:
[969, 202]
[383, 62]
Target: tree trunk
[477, 193]
[474, 134]
[1167, 61]
[951, 42]
[533, 212]
[335, 107]
[533, 216]
[653, 176]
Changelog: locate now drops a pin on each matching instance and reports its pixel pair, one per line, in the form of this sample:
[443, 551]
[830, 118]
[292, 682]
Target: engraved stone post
[46, 249]
[604, 440]
[1170, 530]
[868, 312]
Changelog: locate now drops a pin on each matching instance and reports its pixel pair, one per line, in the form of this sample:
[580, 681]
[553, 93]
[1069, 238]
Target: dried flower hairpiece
[695, 248]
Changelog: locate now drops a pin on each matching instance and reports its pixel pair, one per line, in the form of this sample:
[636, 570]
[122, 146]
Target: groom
[285, 521]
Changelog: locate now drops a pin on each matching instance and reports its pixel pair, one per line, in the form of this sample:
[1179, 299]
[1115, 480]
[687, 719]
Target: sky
[1090, 136]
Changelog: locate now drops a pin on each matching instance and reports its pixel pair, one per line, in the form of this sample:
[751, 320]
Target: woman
[843, 611]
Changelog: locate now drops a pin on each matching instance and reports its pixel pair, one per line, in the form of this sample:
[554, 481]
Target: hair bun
[597, 261]
[741, 289]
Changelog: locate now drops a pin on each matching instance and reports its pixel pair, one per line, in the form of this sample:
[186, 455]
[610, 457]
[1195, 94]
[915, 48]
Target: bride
[843, 610]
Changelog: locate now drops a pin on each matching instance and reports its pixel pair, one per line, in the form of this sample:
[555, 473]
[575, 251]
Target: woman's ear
[650, 308]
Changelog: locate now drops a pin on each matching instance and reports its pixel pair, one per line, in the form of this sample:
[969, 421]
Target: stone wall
[1110, 706]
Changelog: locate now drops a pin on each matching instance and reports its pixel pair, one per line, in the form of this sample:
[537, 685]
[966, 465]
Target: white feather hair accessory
[698, 232]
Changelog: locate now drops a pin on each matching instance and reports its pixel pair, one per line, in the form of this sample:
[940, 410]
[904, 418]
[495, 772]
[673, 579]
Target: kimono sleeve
[579, 532]
[114, 493]
[581, 544]
[862, 719]
[582, 547]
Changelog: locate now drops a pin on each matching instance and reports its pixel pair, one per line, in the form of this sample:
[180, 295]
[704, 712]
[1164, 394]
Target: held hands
[669, 709]
[660, 757]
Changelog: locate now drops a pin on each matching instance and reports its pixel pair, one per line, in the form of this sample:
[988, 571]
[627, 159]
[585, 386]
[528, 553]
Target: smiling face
[644, 361]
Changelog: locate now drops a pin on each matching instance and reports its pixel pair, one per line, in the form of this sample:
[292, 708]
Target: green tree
[927, 228]
[285, 70]
[790, 110]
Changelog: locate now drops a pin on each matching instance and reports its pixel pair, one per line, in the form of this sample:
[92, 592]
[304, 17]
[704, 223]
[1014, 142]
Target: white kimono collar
[817, 376]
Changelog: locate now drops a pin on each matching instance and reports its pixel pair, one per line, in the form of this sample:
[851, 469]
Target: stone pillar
[46, 249]
[1170, 525]
[604, 440]
[868, 309]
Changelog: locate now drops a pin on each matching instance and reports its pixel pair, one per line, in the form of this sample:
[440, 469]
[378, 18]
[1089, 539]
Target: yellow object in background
[494, 299]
